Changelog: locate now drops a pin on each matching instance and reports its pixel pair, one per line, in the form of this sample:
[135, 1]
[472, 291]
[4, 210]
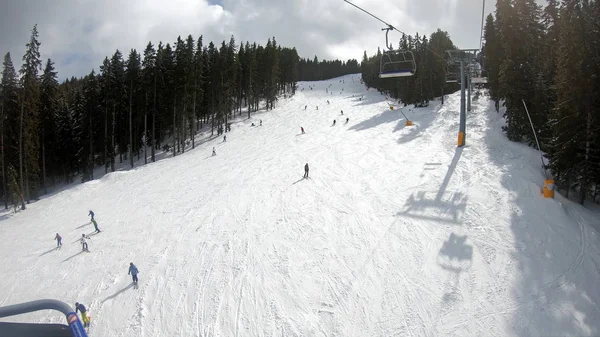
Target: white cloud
[78, 34]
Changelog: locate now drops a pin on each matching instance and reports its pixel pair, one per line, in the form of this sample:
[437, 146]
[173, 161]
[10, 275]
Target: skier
[84, 316]
[302, 129]
[305, 107]
[214, 151]
[84, 244]
[306, 171]
[342, 112]
[58, 239]
[333, 123]
[92, 214]
[317, 107]
[96, 226]
[327, 101]
[347, 120]
[224, 138]
[133, 271]
[261, 122]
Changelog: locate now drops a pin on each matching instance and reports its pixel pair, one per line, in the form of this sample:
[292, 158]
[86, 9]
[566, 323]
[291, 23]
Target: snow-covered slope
[396, 233]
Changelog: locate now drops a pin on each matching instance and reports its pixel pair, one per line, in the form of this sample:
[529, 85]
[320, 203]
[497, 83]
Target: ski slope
[396, 232]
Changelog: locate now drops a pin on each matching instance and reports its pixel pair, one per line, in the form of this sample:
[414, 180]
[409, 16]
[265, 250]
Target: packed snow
[396, 232]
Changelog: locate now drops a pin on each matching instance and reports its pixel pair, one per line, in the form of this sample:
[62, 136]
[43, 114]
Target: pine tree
[132, 79]
[149, 88]
[48, 107]
[30, 101]
[105, 96]
[492, 51]
[118, 94]
[9, 123]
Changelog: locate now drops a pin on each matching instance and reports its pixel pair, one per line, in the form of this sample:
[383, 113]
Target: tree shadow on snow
[556, 288]
[386, 116]
[422, 118]
[118, 292]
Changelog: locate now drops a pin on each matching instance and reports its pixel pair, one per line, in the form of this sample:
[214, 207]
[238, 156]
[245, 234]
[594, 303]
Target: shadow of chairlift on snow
[455, 255]
[447, 209]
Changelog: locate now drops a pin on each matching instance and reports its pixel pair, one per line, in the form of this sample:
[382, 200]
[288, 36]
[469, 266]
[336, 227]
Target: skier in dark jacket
[306, 170]
[133, 271]
[58, 239]
[84, 316]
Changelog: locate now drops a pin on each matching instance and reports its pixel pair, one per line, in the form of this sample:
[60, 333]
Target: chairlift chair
[452, 73]
[73, 328]
[396, 63]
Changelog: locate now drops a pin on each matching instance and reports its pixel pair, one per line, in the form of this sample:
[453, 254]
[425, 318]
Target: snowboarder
[84, 244]
[224, 138]
[306, 171]
[133, 271]
[92, 214]
[302, 129]
[58, 239]
[342, 112]
[84, 316]
[347, 120]
[214, 151]
[96, 226]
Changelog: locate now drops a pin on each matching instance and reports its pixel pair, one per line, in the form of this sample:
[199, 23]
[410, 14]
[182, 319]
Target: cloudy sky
[77, 34]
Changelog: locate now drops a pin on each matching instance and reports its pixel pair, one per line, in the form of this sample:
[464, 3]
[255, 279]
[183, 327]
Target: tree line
[136, 105]
[550, 58]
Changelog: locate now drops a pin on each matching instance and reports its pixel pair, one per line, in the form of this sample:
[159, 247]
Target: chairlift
[452, 74]
[73, 328]
[396, 63]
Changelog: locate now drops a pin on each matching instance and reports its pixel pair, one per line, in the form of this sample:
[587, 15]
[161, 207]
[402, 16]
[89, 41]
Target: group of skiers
[79, 307]
[133, 271]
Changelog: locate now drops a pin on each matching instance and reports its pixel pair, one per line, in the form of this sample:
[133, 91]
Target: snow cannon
[548, 188]
[74, 328]
[408, 122]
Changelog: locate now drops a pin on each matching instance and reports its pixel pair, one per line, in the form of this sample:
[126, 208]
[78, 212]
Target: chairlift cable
[392, 27]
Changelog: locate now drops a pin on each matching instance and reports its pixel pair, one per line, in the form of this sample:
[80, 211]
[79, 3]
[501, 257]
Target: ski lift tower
[464, 58]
